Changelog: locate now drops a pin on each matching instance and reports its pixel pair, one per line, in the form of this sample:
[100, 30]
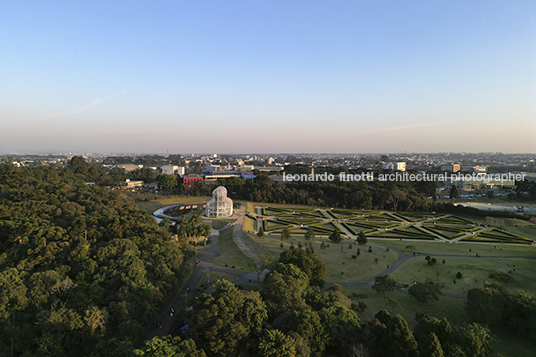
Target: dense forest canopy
[82, 269]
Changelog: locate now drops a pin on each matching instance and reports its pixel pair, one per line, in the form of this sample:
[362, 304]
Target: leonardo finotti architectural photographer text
[404, 176]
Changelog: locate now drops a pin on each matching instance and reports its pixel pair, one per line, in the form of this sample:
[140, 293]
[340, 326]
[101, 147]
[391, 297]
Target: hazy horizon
[273, 77]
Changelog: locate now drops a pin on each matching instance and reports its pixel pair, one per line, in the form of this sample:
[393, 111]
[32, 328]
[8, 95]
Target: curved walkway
[206, 255]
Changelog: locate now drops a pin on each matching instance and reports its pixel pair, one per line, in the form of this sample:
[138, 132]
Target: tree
[395, 197]
[308, 262]
[166, 181]
[335, 236]
[260, 233]
[424, 292]
[432, 347]
[275, 343]
[285, 286]
[361, 238]
[310, 234]
[261, 265]
[385, 283]
[285, 234]
[225, 319]
[454, 193]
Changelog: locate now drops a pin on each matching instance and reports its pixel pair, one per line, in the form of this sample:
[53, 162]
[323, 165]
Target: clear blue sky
[267, 76]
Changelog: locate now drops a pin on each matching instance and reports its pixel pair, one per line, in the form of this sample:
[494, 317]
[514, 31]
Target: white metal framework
[220, 205]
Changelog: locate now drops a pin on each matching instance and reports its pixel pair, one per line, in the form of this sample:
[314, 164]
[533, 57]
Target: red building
[190, 181]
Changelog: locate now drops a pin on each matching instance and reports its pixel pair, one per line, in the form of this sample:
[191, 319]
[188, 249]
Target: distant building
[133, 184]
[475, 169]
[190, 181]
[247, 175]
[129, 167]
[398, 166]
[221, 175]
[172, 169]
[451, 167]
[220, 205]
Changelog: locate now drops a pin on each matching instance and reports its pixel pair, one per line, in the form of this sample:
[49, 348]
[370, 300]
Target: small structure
[220, 205]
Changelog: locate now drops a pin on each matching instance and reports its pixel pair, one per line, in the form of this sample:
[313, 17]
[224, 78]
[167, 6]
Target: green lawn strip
[384, 216]
[232, 255]
[373, 225]
[408, 217]
[220, 223]
[453, 220]
[497, 235]
[249, 224]
[450, 232]
[272, 225]
[298, 221]
[355, 229]
[407, 232]
[253, 242]
[498, 250]
[328, 226]
[250, 208]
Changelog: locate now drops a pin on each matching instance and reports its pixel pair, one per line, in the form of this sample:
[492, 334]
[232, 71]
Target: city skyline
[273, 77]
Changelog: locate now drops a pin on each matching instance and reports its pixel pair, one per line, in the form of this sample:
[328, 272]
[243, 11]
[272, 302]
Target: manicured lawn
[341, 267]
[220, 223]
[475, 272]
[231, 255]
[451, 308]
[258, 248]
[462, 248]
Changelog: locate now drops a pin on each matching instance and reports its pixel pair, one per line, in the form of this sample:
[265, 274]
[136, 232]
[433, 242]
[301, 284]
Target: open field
[231, 255]
[475, 272]
[451, 308]
[460, 249]
[341, 267]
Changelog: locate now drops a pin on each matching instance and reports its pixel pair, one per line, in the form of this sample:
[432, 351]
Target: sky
[267, 76]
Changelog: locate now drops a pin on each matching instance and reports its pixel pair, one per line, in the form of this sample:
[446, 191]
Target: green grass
[220, 223]
[340, 261]
[475, 272]
[462, 248]
[149, 206]
[232, 255]
[451, 308]
[258, 248]
[337, 261]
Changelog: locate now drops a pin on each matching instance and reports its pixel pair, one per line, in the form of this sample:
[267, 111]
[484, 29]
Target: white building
[220, 205]
[399, 166]
[172, 169]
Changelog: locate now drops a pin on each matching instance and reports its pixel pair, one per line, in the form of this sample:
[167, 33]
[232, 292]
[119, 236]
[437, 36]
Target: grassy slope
[231, 253]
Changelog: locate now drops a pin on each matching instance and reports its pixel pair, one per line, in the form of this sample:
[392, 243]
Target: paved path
[179, 301]
[206, 255]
